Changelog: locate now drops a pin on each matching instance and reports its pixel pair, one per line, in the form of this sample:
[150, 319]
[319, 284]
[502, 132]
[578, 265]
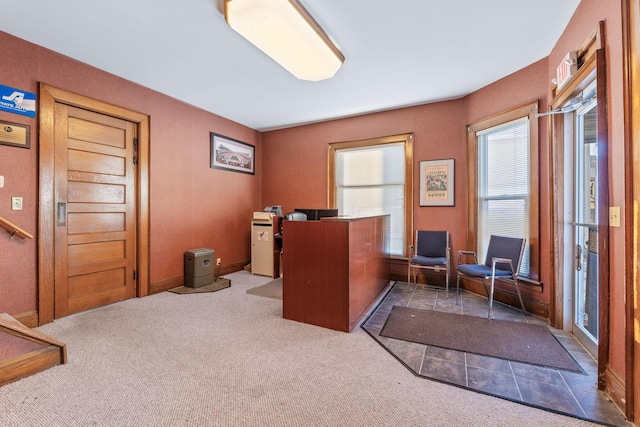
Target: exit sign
[567, 68]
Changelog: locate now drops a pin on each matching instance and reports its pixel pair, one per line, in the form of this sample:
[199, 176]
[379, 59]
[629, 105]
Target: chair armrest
[467, 253]
[411, 249]
[497, 260]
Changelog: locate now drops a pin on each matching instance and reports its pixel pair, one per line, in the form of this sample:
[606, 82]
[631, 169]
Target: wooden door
[95, 209]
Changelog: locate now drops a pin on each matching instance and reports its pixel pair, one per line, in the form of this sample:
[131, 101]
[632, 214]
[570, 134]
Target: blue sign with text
[17, 101]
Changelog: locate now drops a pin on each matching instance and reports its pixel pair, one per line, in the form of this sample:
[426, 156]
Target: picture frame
[231, 154]
[15, 134]
[437, 182]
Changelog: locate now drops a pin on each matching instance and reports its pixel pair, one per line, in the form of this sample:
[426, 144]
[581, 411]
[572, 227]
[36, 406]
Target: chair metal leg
[491, 297]
[458, 289]
[446, 281]
[524, 310]
[484, 286]
[414, 284]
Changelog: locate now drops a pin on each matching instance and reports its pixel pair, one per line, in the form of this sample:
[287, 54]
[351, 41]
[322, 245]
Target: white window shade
[503, 185]
[370, 181]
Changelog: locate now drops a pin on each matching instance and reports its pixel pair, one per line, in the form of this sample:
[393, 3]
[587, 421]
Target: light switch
[16, 203]
[614, 216]
[1, 181]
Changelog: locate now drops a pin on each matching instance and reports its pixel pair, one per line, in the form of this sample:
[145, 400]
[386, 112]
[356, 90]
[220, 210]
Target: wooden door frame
[631, 82]
[48, 96]
[593, 66]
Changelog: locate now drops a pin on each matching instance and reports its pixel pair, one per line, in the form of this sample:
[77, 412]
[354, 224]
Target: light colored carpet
[229, 359]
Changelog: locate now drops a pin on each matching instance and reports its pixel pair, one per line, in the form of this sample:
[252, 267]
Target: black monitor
[316, 214]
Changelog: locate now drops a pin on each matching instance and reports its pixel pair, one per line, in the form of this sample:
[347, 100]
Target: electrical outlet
[218, 261]
[614, 216]
[16, 203]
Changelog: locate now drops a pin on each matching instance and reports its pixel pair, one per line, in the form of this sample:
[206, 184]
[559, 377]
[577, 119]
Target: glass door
[585, 286]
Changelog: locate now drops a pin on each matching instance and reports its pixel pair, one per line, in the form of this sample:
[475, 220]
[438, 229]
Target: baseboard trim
[28, 319]
[504, 295]
[174, 282]
[165, 285]
[615, 389]
[509, 297]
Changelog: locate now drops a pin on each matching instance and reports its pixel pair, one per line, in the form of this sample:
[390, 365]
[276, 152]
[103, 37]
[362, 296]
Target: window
[374, 177]
[503, 153]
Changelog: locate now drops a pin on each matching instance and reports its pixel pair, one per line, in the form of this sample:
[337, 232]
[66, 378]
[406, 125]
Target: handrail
[14, 230]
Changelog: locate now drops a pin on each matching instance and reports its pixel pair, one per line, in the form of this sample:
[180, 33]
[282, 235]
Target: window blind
[503, 185]
[370, 181]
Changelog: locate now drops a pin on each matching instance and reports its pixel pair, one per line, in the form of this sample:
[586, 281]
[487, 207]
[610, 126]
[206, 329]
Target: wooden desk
[334, 269]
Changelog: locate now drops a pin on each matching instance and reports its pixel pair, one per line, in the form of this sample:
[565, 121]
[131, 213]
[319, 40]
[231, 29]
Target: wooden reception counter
[333, 269]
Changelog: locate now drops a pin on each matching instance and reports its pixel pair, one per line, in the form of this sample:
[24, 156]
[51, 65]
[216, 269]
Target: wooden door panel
[87, 302]
[88, 284]
[98, 133]
[78, 270]
[91, 253]
[96, 163]
[95, 181]
[80, 145]
[89, 192]
[89, 222]
[96, 178]
[96, 208]
[78, 239]
[61, 300]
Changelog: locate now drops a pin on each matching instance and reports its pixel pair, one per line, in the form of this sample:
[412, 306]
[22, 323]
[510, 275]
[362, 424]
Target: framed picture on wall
[231, 154]
[437, 183]
[15, 134]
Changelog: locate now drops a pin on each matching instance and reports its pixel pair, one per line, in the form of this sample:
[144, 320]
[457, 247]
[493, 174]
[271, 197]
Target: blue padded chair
[504, 257]
[431, 252]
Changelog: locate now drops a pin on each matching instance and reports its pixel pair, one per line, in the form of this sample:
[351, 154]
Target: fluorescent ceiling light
[285, 31]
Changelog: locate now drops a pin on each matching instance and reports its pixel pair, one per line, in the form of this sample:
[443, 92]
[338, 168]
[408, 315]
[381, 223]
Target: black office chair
[296, 216]
[431, 252]
[504, 257]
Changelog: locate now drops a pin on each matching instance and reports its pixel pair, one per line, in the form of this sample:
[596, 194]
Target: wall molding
[615, 389]
[503, 293]
[174, 282]
[28, 318]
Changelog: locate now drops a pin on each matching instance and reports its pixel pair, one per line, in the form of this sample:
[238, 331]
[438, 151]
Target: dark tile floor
[565, 392]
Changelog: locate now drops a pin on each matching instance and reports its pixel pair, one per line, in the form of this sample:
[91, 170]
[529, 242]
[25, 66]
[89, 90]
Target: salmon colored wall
[17, 256]
[295, 159]
[583, 23]
[524, 87]
[191, 205]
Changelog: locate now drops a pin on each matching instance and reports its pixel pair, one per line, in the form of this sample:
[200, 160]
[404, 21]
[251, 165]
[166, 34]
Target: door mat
[273, 289]
[219, 283]
[517, 341]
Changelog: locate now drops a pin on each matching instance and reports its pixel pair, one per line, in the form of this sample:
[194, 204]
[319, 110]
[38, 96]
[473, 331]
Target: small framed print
[231, 154]
[15, 134]
[437, 183]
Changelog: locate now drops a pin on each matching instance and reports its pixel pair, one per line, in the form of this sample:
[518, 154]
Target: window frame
[530, 111]
[407, 139]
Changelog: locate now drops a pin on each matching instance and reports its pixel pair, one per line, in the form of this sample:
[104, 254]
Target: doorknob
[579, 257]
[62, 214]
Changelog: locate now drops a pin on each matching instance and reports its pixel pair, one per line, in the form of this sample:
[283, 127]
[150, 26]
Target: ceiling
[398, 53]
